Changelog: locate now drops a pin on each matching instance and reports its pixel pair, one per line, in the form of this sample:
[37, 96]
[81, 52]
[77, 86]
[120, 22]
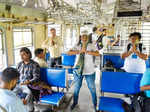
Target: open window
[3, 60]
[22, 37]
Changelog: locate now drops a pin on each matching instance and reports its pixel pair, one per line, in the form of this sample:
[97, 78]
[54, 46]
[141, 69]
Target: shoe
[73, 106]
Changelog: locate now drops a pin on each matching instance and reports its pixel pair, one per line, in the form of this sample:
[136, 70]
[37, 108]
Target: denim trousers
[90, 80]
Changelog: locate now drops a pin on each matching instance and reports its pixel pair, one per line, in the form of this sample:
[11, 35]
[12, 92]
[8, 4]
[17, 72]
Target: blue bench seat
[53, 99]
[119, 83]
[111, 104]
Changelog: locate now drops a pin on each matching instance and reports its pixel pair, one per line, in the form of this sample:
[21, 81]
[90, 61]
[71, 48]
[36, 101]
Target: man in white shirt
[8, 99]
[40, 56]
[134, 55]
[55, 45]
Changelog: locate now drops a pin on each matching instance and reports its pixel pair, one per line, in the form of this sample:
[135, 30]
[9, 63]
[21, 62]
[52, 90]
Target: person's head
[104, 32]
[9, 78]
[25, 54]
[53, 32]
[84, 36]
[118, 36]
[94, 29]
[135, 37]
[39, 52]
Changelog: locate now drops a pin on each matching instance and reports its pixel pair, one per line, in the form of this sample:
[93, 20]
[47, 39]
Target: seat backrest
[118, 62]
[54, 77]
[115, 59]
[47, 56]
[68, 60]
[148, 63]
[120, 82]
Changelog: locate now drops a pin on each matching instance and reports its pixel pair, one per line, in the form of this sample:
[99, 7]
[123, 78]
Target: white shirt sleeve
[76, 47]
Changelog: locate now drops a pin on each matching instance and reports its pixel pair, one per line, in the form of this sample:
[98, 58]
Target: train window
[143, 28]
[146, 35]
[67, 40]
[74, 37]
[57, 27]
[71, 38]
[3, 63]
[87, 28]
[22, 37]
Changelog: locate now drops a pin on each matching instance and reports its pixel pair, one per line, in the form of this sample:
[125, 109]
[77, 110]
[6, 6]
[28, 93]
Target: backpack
[137, 102]
[99, 43]
[129, 46]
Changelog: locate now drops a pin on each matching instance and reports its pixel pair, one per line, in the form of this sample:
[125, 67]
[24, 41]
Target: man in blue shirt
[8, 100]
[145, 86]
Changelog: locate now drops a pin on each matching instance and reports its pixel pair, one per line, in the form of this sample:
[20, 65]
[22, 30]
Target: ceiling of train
[83, 11]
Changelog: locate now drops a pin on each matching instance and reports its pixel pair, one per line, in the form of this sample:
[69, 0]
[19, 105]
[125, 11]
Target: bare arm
[141, 55]
[94, 53]
[126, 54]
[146, 87]
[73, 52]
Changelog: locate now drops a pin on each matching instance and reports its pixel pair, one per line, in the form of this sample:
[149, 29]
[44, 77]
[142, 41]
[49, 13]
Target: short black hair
[38, 51]
[9, 74]
[104, 30]
[136, 34]
[26, 50]
[94, 29]
[52, 29]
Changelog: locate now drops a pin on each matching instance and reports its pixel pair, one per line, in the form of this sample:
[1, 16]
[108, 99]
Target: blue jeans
[90, 80]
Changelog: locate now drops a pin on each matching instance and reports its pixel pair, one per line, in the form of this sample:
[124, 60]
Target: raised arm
[126, 54]
[141, 55]
[94, 53]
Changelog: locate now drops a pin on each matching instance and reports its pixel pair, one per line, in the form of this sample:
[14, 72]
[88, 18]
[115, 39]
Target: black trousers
[146, 105]
[55, 62]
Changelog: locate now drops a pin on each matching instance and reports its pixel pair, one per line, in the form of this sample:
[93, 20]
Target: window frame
[33, 40]
[4, 46]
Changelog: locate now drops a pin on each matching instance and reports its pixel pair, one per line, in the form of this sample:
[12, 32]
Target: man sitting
[134, 55]
[8, 100]
[40, 56]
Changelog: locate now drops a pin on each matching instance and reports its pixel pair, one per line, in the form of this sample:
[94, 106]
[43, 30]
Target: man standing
[54, 44]
[8, 100]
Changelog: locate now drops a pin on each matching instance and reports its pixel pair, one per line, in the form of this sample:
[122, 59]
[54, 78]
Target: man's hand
[25, 82]
[52, 42]
[82, 51]
[134, 48]
[24, 101]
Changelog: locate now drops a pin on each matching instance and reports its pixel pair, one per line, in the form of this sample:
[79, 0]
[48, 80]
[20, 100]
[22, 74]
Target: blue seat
[68, 60]
[110, 104]
[120, 83]
[118, 62]
[47, 56]
[70, 70]
[43, 74]
[148, 63]
[55, 78]
[53, 99]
